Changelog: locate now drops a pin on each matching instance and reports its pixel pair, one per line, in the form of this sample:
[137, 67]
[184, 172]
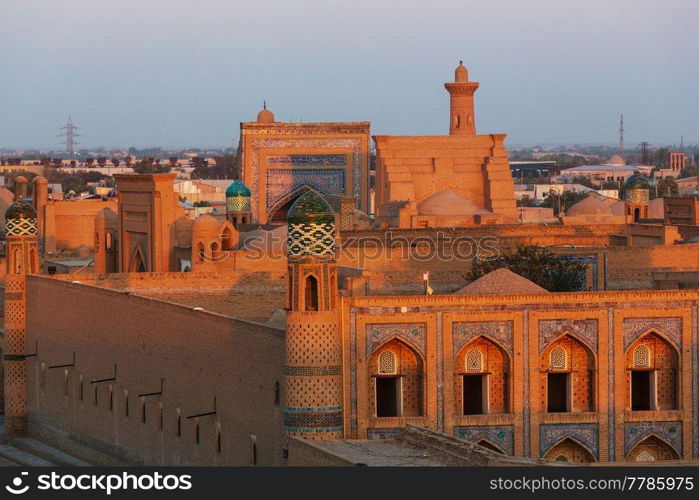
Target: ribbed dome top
[310, 207]
[20, 210]
[448, 202]
[637, 181]
[237, 188]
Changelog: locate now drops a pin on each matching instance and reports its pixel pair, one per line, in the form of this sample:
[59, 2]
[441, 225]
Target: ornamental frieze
[414, 333]
[465, 332]
[585, 329]
[635, 327]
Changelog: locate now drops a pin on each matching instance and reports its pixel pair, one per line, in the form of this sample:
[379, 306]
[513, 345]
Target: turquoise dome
[20, 210]
[310, 208]
[237, 188]
[637, 181]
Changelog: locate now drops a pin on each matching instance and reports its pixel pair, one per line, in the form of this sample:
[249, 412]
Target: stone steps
[20, 457]
[46, 452]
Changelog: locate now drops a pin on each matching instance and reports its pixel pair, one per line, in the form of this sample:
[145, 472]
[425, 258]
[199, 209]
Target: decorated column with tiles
[22, 259]
[313, 406]
[238, 210]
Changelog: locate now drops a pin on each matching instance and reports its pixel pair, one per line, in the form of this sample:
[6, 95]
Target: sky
[176, 73]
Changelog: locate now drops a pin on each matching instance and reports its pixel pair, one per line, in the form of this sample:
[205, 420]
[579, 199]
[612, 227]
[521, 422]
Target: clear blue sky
[185, 73]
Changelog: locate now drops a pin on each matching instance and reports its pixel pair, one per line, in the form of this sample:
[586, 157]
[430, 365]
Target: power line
[70, 135]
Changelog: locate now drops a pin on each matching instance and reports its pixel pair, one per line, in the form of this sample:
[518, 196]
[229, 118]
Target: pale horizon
[175, 74]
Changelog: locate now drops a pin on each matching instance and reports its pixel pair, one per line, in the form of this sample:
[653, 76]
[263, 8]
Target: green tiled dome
[237, 188]
[310, 207]
[637, 181]
[20, 210]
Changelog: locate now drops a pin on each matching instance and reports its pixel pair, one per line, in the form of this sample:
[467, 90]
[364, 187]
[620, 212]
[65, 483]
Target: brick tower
[22, 259]
[636, 195]
[313, 345]
[462, 118]
[238, 204]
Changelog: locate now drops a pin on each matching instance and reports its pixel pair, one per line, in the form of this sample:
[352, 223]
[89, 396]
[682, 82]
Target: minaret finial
[264, 104]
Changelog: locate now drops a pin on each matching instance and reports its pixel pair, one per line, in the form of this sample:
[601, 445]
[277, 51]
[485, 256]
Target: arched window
[108, 241]
[474, 360]
[196, 432]
[641, 356]
[387, 363]
[277, 394]
[458, 121]
[558, 358]
[178, 424]
[645, 456]
[200, 252]
[217, 439]
[311, 289]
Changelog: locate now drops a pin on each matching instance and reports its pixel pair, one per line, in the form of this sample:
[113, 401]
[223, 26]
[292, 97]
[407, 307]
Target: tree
[688, 171]
[553, 272]
[563, 201]
[666, 187]
[582, 180]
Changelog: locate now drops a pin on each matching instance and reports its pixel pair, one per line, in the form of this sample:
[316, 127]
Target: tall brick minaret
[22, 259]
[313, 345]
[462, 116]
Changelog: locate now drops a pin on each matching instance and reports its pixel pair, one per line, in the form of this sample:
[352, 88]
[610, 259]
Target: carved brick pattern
[670, 432]
[376, 434]
[501, 436]
[307, 160]
[585, 434]
[670, 327]
[586, 329]
[413, 333]
[465, 332]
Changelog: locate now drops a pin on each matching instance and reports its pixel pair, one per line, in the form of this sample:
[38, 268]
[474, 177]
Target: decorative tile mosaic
[414, 333]
[501, 436]
[670, 327]
[238, 204]
[465, 332]
[585, 434]
[20, 227]
[307, 160]
[611, 399]
[695, 380]
[525, 418]
[584, 329]
[282, 182]
[670, 432]
[311, 239]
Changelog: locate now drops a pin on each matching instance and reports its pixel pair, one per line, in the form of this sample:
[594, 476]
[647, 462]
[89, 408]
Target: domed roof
[20, 210]
[637, 181]
[40, 180]
[461, 73]
[265, 116]
[501, 280]
[20, 179]
[237, 188]
[205, 222]
[589, 206]
[448, 202]
[310, 207]
[616, 160]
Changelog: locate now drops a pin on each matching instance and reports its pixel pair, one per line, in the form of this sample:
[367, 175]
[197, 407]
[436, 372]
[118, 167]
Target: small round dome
[237, 188]
[265, 116]
[40, 180]
[310, 208]
[589, 206]
[205, 222]
[20, 179]
[20, 210]
[448, 202]
[461, 73]
[616, 160]
[637, 181]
